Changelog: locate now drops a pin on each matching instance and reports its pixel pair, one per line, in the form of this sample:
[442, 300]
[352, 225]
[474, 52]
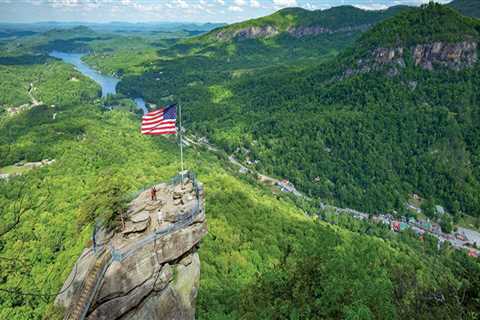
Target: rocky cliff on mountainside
[454, 56]
[248, 33]
[254, 32]
[154, 269]
[301, 32]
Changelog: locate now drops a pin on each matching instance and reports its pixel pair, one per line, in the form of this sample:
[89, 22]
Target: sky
[168, 10]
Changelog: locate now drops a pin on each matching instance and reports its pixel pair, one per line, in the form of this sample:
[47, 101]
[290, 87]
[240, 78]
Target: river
[107, 83]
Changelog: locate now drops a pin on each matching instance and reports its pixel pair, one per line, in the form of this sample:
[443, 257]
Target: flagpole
[181, 141]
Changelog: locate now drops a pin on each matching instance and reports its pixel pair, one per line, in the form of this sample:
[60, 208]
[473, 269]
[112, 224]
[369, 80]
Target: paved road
[471, 235]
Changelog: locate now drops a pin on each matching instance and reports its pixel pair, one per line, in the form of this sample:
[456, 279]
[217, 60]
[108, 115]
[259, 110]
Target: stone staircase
[89, 288]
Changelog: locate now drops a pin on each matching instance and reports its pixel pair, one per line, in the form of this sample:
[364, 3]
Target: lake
[107, 83]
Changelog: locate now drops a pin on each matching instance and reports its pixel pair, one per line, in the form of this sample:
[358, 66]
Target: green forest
[365, 141]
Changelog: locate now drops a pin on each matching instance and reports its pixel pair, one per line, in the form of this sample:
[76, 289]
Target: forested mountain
[291, 36]
[467, 7]
[263, 257]
[299, 22]
[397, 113]
[394, 115]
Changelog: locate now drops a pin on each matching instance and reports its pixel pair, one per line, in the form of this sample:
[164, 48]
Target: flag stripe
[154, 123]
[161, 121]
[154, 132]
[159, 126]
[157, 116]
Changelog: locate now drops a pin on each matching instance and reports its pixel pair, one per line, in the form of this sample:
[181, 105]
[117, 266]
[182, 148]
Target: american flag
[161, 121]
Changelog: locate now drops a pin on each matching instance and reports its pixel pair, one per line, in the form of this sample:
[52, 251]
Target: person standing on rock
[153, 194]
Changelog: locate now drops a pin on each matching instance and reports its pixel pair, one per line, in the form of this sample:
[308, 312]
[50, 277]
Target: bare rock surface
[154, 274]
[454, 56]
[252, 32]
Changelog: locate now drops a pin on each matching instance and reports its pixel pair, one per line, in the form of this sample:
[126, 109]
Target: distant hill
[433, 34]
[300, 22]
[427, 24]
[469, 8]
[114, 26]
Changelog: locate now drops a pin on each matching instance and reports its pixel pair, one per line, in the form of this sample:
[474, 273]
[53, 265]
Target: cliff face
[454, 56]
[248, 33]
[267, 31]
[301, 32]
[154, 268]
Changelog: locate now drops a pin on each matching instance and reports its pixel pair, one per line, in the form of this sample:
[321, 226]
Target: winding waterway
[108, 83]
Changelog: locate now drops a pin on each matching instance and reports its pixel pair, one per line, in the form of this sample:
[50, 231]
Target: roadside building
[398, 226]
[426, 225]
[286, 186]
[473, 253]
[243, 170]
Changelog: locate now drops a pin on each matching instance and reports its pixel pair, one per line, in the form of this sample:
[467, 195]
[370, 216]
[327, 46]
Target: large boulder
[152, 269]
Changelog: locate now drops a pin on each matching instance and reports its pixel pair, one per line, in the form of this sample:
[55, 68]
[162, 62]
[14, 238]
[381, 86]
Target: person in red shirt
[153, 194]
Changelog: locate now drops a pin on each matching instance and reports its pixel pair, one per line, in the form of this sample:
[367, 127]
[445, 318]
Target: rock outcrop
[301, 32]
[455, 56]
[154, 269]
[255, 32]
[252, 32]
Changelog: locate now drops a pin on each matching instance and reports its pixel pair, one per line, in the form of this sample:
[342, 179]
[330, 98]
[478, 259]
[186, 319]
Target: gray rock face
[255, 32]
[455, 56]
[384, 56]
[300, 32]
[248, 33]
[157, 273]
[165, 292]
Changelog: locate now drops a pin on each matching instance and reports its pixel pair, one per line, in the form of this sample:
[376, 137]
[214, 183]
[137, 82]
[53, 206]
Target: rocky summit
[150, 268]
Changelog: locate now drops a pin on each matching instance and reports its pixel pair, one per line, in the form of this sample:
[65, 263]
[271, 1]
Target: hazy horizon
[169, 11]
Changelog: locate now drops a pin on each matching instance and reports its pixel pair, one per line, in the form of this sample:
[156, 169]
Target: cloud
[148, 8]
[181, 4]
[239, 3]
[285, 3]
[371, 6]
[309, 6]
[255, 4]
[63, 3]
[221, 2]
[235, 9]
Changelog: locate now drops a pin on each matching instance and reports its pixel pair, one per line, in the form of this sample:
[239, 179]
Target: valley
[338, 150]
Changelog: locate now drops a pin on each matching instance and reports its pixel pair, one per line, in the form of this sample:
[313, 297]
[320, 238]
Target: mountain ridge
[289, 20]
[469, 8]
[431, 35]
